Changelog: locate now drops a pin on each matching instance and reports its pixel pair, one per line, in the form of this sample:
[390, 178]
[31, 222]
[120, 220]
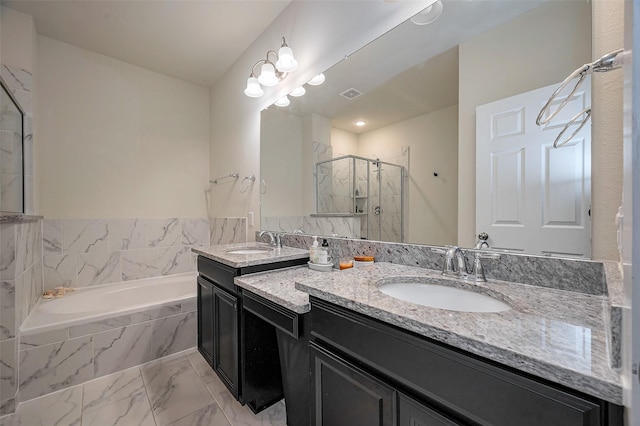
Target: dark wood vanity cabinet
[366, 372]
[241, 348]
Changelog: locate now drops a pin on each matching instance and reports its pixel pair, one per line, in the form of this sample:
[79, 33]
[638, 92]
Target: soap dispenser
[323, 252]
[313, 251]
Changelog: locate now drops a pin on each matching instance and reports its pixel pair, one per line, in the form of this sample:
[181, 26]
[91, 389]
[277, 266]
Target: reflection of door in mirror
[11, 153]
[530, 196]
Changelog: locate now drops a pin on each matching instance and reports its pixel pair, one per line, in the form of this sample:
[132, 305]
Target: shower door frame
[353, 190]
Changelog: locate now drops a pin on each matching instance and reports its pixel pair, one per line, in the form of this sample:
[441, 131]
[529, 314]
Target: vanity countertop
[220, 253]
[554, 334]
[279, 286]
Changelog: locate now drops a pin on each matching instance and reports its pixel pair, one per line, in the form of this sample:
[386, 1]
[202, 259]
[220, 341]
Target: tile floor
[179, 390]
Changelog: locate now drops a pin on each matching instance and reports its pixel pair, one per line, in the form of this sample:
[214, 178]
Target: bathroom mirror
[11, 153]
[417, 88]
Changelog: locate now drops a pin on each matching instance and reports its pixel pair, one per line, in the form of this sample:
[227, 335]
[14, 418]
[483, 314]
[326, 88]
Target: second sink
[432, 293]
[249, 250]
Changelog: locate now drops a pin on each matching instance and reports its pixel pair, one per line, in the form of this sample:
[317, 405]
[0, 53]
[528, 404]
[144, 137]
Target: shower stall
[369, 189]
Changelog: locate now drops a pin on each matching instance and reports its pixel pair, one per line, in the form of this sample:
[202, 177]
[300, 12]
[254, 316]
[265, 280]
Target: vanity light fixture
[282, 102]
[428, 14]
[271, 73]
[317, 80]
[298, 91]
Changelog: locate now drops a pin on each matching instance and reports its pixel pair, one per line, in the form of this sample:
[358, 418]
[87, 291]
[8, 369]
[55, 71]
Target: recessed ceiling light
[429, 14]
[360, 123]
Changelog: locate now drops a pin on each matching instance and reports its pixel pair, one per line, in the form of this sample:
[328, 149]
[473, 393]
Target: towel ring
[251, 179]
[561, 142]
[605, 63]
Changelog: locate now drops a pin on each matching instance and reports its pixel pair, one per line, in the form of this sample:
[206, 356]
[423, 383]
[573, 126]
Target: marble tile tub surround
[84, 252]
[20, 83]
[60, 358]
[553, 334]
[20, 287]
[562, 274]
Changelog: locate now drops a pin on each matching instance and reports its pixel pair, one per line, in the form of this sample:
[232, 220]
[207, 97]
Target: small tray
[327, 267]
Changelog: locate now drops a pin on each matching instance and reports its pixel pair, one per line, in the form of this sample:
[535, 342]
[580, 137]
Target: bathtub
[101, 330]
[94, 303]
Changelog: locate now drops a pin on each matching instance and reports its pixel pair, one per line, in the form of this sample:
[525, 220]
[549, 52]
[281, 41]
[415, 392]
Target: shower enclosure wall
[372, 190]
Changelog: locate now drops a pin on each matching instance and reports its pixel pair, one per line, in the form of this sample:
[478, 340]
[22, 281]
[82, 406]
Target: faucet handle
[477, 272]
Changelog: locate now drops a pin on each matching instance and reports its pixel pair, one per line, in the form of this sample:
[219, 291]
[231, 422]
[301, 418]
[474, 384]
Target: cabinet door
[413, 413]
[344, 395]
[205, 319]
[225, 339]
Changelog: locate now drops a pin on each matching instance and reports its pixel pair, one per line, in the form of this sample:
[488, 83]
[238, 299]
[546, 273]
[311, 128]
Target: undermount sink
[433, 293]
[249, 250]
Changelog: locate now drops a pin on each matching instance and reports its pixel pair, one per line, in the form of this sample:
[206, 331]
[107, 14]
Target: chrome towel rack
[605, 63]
[244, 188]
[232, 175]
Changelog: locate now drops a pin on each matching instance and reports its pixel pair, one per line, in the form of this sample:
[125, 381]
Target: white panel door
[531, 197]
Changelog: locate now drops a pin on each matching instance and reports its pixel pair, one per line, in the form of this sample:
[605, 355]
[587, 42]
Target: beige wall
[343, 142]
[282, 134]
[18, 38]
[606, 130]
[235, 118]
[432, 215]
[118, 140]
[519, 65]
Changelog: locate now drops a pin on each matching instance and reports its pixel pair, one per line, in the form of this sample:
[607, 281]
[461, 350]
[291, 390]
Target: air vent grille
[351, 93]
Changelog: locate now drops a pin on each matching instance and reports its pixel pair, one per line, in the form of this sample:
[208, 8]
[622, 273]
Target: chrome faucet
[454, 263]
[275, 237]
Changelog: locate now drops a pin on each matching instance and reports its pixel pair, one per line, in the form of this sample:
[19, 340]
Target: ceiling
[193, 40]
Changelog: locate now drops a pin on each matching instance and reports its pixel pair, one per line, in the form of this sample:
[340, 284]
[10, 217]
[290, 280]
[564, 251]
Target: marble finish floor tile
[178, 390]
[129, 411]
[175, 390]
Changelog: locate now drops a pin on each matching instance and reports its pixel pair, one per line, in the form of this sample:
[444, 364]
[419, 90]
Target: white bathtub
[110, 300]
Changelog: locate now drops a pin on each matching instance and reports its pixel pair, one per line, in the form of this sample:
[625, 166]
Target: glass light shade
[282, 102]
[253, 89]
[298, 91]
[286, 62]
[429, 14]
[268, 75]
[317, 80]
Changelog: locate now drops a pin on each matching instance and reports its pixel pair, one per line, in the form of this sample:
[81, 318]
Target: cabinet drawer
[220, 274]
[278, 316]
[471, 388]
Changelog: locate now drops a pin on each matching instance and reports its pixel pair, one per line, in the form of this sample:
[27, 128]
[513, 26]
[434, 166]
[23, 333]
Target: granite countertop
[279, 286]
[554, 334]
[220, 253]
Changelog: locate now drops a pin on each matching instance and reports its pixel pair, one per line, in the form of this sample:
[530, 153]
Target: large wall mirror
[11, 153]
[429, 95]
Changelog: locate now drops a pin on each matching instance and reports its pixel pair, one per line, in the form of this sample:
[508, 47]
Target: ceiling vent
[350, 93]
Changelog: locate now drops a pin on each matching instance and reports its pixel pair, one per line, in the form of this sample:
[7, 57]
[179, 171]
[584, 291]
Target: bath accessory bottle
[313, 251]
[323, 253]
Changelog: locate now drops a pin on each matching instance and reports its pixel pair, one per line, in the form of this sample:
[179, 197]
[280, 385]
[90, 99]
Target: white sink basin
[429, 293]
[249, 250]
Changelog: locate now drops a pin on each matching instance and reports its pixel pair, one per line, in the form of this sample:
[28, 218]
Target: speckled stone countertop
[221, 253]
[554, 334]
[17, 218]
[279, 286]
